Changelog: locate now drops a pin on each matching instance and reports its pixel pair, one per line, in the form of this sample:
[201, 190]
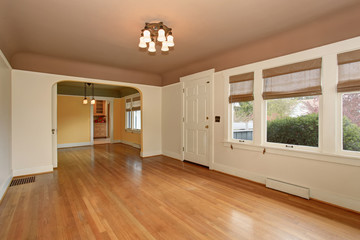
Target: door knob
[207, 126]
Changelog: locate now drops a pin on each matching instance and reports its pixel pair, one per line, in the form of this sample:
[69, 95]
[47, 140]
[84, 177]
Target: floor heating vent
[288, 188]
[19, 181]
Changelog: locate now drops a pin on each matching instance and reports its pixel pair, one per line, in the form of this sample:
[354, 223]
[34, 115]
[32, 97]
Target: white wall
[32, 116]
[331, 175]
[171, 120]
[5, 124]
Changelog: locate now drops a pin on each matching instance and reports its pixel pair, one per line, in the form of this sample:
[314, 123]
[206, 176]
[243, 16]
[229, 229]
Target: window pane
[351, 121]
[128, 119]
[293, 121]
[242, 121]
[137, 120]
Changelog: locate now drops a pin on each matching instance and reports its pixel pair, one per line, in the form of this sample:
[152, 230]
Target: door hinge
[183, 149]
[183, 90]
[183, 119]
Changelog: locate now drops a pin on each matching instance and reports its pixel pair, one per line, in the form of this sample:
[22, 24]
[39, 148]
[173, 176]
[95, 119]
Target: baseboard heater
[288, 188]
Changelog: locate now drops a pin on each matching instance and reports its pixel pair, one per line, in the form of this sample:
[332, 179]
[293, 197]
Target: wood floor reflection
[109, 192]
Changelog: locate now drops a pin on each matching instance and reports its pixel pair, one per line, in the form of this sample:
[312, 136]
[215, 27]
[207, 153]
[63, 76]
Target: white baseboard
[34, 170]
[335, 198]
[150, 153]
[239, 173]
[5, 186]
[171, 154]
[80, 144]
[128, 143]
[319, 194]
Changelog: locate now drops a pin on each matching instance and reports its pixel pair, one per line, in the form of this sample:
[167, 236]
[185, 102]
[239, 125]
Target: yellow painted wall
[73, 120]
[119, 124]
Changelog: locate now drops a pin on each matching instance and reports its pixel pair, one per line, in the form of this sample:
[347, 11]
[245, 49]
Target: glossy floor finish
[109, 192]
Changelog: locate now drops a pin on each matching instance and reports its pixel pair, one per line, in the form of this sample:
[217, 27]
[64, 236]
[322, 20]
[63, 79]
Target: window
[133, 113]
[349, 81]
[351, 122]
[128, 113]
[241, 100]
[292, 103]
[242, 122]
[293, 121]
[137, 120]
[128, 120]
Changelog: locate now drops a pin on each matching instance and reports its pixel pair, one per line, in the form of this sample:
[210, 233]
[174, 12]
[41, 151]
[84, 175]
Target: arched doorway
[114, 118]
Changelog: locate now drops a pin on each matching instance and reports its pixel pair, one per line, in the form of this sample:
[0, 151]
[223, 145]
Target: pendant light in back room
[85, 101]
[93, 98]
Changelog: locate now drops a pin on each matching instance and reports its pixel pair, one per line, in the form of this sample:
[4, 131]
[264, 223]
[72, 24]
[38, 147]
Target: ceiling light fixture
[93, 98]
[158, 31]
[85, 101]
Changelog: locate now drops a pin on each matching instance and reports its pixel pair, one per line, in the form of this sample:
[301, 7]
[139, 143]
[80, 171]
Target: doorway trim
[189, 78]
[54, 113]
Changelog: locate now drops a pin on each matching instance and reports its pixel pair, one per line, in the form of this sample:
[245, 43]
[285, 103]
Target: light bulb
[142, 43]
[85, 101]
[92, 101]
[161, 35]
[147, 36]
[164, 47]
[170, 41]
[152, 47]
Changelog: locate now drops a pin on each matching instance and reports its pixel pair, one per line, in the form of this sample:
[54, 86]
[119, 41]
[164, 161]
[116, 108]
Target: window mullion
[259, 120]
[328, 134]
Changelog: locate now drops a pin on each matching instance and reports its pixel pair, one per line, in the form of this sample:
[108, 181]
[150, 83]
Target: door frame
[208, 73]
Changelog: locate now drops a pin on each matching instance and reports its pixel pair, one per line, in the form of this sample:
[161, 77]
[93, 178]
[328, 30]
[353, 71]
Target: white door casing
[197, 117]
[54, 125]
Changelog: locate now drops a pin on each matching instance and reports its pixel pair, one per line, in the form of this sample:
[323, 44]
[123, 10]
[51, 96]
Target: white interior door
[197, 116]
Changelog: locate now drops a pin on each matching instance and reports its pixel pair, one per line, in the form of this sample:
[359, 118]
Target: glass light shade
[85, 101]
[142, 43]
[161, 35]
[170, 41]
[152, 47]
[92, 101]
[147, 36]
[164, 47]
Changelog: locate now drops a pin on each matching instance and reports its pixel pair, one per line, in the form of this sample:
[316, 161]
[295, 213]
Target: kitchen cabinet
[99, 130]
[99, 108]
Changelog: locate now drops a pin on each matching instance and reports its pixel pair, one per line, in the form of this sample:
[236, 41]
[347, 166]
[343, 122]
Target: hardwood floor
[109, 192]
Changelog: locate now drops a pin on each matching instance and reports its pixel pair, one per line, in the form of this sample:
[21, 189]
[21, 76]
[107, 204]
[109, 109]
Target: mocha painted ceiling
[107, 32]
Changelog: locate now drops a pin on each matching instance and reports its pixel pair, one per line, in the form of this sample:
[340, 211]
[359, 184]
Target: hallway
[108, 192]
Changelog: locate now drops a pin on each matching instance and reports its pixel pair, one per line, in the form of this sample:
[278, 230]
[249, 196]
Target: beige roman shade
[293, 80]
[128, 104]
[349, 71]
[241, 87]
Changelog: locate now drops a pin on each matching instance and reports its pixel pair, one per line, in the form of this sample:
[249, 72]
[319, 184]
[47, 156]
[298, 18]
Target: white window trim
[329, 151]
[132, 114]
[340, 149]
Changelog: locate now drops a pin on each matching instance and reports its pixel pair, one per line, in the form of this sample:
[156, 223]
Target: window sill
[298, 153]
[132, 131]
